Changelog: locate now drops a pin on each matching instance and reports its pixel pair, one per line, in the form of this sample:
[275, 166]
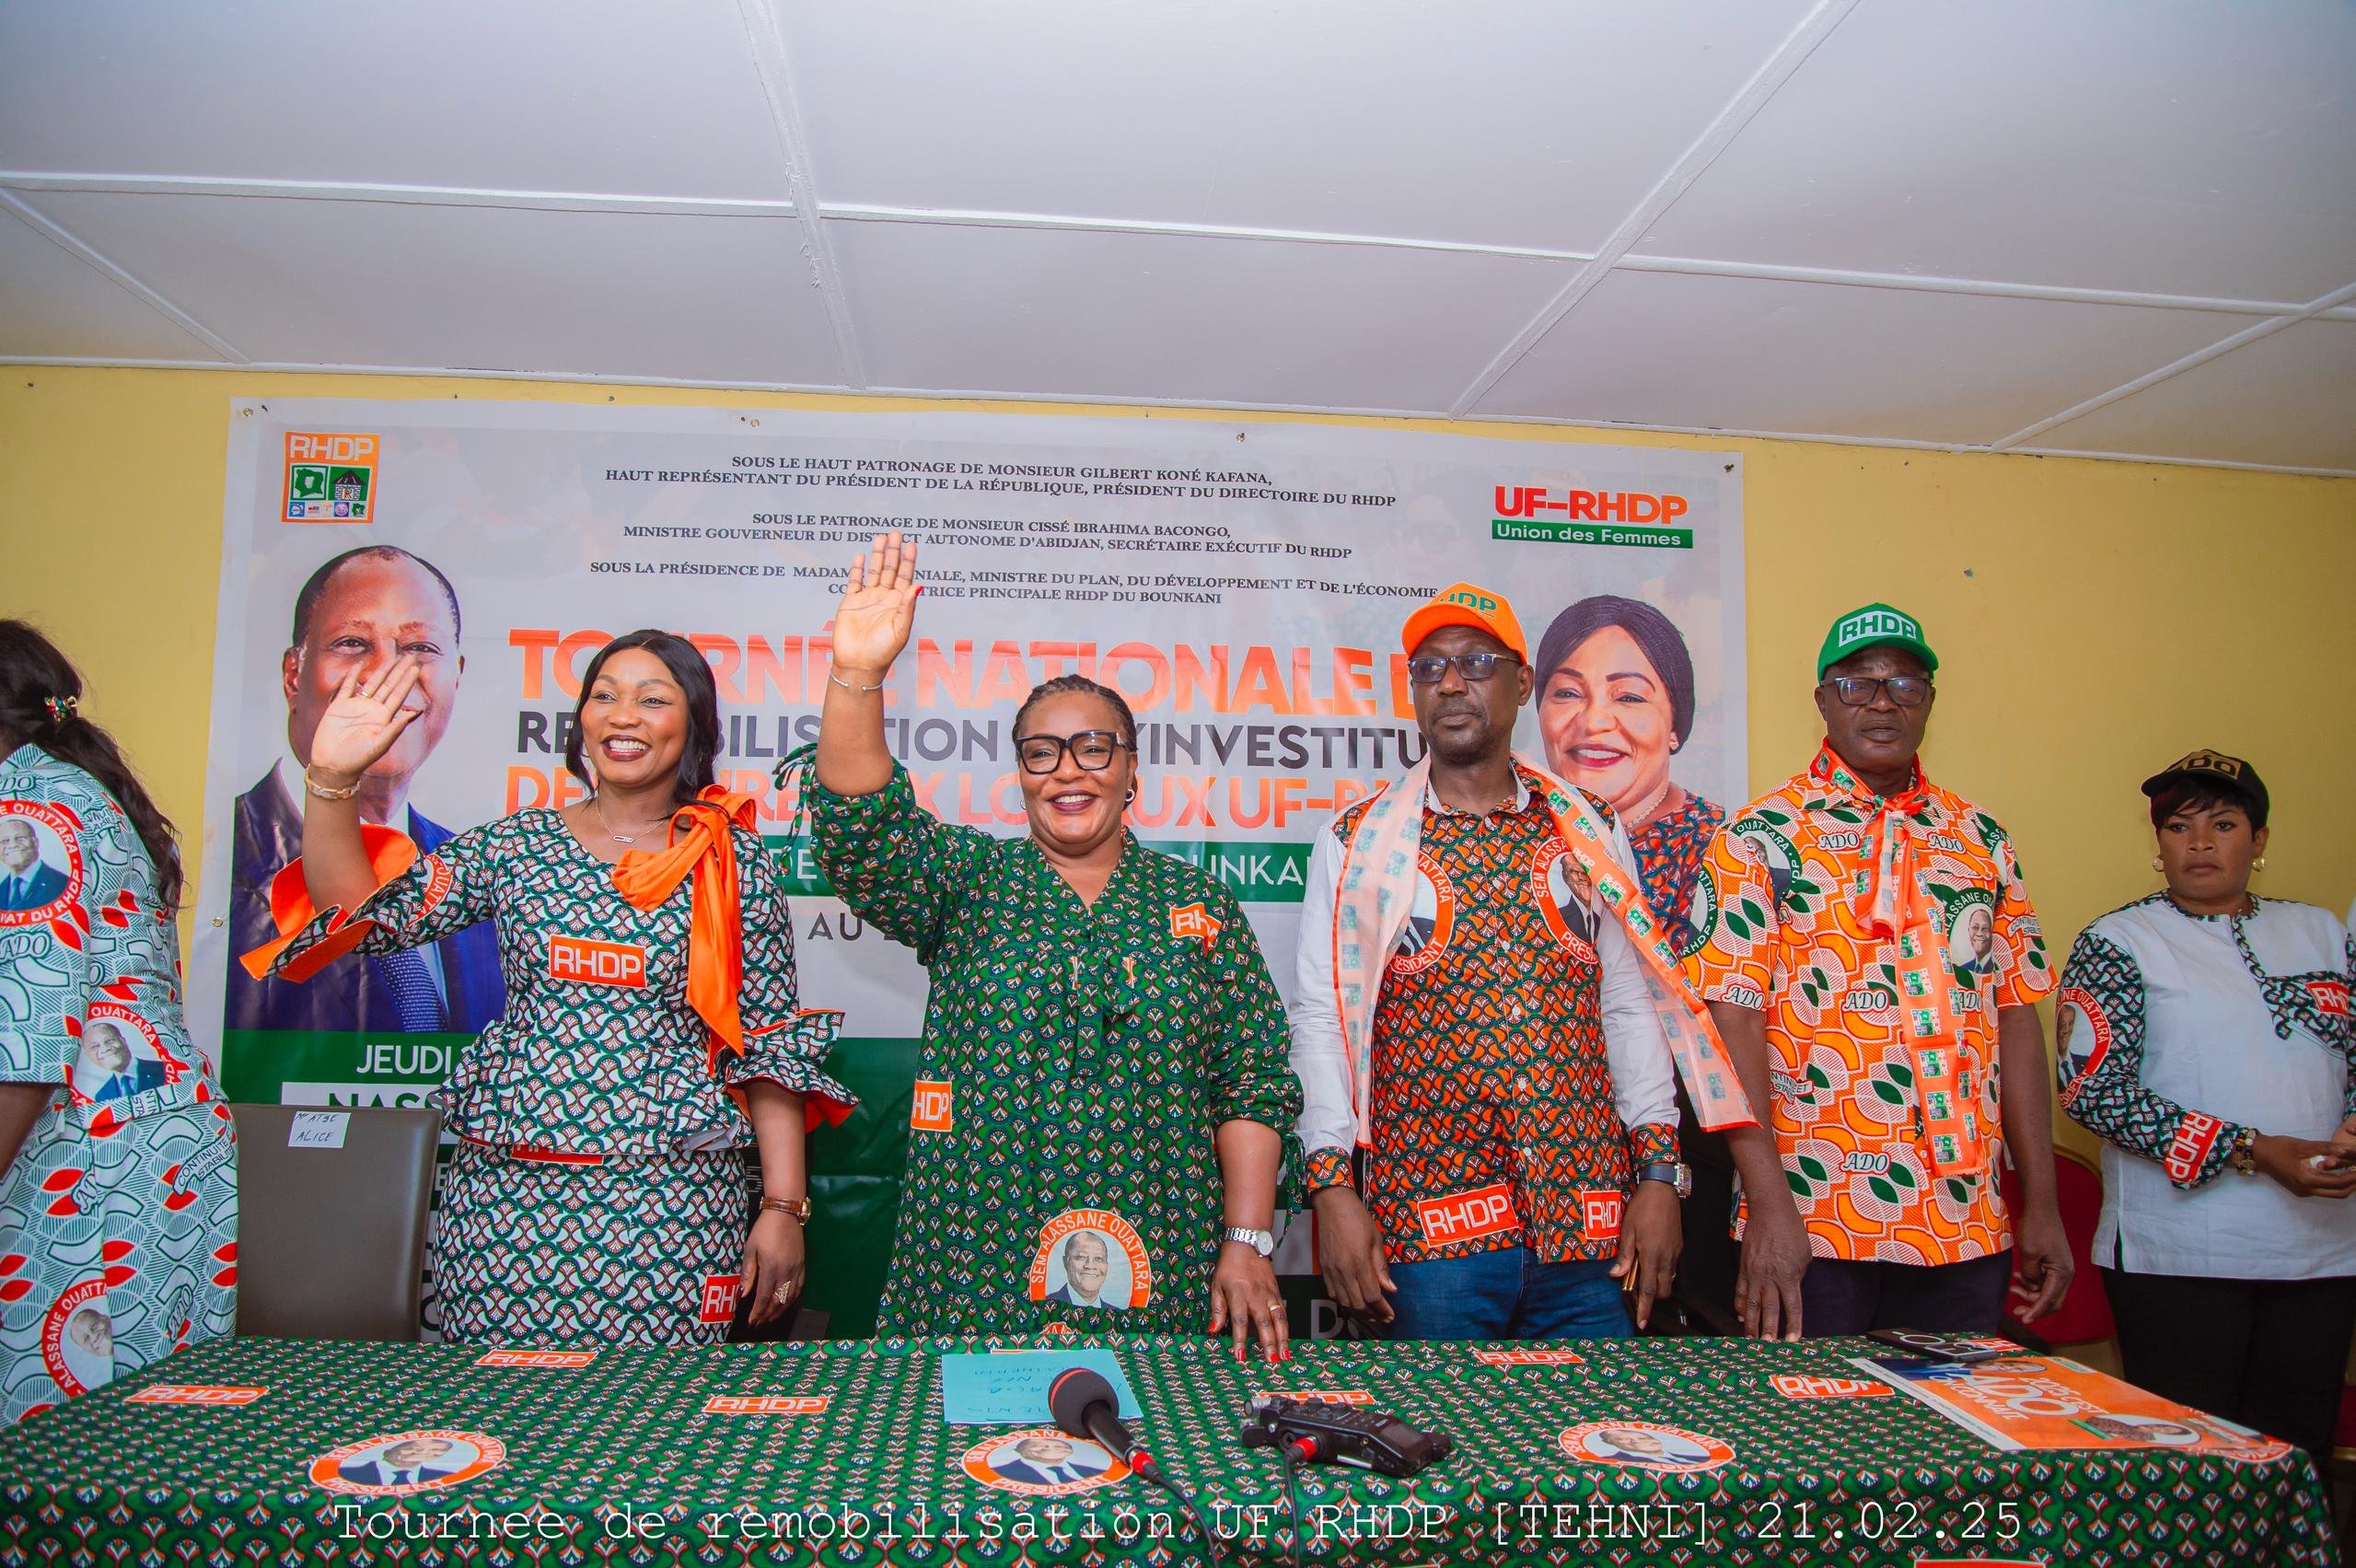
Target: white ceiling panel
[1268, 322]
[626, 97]
[2172, 146]
[52, 303]
[2288, 400]
[1745, 353]
[363, 283]
[1533, 123]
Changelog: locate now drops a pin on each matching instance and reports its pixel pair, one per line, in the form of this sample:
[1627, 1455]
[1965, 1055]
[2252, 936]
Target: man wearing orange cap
[1487, 1025]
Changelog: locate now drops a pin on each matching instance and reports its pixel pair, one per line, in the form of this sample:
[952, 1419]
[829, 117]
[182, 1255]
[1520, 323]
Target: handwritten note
[318, 1129]
[1011, 1389]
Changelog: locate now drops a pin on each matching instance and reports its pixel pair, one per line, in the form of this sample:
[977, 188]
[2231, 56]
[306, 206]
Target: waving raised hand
[364, 721]
[878, 606]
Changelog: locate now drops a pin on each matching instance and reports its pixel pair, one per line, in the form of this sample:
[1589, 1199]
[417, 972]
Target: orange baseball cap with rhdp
[1462, 604]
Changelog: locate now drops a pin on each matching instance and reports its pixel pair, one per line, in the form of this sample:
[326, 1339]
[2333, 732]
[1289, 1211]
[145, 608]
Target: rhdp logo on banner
[330, 477]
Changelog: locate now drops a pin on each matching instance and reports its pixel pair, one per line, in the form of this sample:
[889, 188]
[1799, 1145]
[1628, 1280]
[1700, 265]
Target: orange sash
[716, 951]
[390, 854]
[1890, 904]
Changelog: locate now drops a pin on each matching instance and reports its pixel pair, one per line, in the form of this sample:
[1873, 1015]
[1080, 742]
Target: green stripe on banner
[303, 1067]
[1256, 873]
[1553, 531]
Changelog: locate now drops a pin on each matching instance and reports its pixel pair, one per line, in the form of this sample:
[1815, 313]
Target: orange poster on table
[2049, 1401]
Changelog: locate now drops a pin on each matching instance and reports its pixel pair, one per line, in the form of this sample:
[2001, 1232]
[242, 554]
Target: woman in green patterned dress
[599, 1192]
[1104, 1096]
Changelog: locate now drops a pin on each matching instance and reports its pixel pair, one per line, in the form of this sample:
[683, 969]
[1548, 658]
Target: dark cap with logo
[2216, 767]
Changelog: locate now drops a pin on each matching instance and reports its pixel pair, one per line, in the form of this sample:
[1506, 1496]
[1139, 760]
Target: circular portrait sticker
[1091, 1258]
[41, 862]
[77, 1338]
[1644, 1446]
[1971, 935]
[1430, 920]
[1041, 1462]
[121, 1056]
[1565, 898]
[406, 1462]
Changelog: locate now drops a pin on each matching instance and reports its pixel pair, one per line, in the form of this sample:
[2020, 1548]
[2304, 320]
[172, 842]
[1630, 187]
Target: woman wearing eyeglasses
[1101, 1108]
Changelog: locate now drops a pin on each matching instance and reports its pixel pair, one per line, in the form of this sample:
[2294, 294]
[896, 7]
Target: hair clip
[62, 708]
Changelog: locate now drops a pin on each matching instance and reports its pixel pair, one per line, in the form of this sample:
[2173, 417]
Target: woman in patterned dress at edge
[1615, 705]
[2204, 1037]
[118, 1209]
[1105, 1094]
[599, 1191]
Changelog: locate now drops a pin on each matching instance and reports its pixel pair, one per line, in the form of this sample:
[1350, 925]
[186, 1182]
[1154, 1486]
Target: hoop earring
[2156, 866]
[1130, 797]
[2258, 865]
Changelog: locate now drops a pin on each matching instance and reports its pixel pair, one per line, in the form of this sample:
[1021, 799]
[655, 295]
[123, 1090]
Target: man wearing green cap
[1872, 964]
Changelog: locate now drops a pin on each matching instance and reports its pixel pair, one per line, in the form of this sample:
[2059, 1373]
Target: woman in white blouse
[2205, 1038]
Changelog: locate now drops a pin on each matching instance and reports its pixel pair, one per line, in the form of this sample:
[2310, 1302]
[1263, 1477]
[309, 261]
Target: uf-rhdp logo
[330, 477]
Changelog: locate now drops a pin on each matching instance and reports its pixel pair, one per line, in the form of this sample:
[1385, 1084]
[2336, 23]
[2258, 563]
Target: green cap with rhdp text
[1872, 627]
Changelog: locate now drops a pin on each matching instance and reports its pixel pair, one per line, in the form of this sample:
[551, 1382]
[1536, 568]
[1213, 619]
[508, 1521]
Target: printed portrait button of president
[1643, 1445]
[122, 1057]
[1041, 1462]
[402, 1463]
[1091, 1258]
[41, 863]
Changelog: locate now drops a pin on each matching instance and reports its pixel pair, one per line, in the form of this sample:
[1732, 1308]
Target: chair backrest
[331, 1240]
[2085, 1312]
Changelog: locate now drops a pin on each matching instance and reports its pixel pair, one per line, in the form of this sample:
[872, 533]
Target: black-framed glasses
[1092, 749]
[1430, 669]
[1858, 691]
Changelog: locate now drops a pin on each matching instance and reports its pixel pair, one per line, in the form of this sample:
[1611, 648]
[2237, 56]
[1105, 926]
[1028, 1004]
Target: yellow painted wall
[2093, 620]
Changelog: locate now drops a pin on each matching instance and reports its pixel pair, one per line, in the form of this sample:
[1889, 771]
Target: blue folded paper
[1010, 1389]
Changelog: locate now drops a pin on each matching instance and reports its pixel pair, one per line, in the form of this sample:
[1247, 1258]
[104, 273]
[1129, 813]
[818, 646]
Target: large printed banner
[1244, 585]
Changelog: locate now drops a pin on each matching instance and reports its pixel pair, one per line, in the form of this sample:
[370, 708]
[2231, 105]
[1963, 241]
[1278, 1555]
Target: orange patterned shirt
[1782, 910]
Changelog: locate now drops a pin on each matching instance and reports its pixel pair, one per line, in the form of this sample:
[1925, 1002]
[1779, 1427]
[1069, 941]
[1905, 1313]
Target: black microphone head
[1074, 1390]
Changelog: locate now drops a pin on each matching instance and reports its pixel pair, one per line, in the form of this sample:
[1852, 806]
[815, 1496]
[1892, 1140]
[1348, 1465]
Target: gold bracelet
[326, 794]
[848, 687]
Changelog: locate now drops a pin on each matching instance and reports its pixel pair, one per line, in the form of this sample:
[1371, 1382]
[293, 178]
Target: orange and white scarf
[1891, 904]
[1377, 891]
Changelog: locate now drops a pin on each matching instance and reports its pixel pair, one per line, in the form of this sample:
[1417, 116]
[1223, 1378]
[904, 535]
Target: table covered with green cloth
[835, 1452]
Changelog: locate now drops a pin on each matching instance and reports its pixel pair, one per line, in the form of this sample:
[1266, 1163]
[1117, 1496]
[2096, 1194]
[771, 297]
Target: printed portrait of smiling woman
[1615, 705]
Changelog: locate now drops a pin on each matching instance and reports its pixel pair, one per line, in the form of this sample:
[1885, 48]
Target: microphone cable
[1152, 1470]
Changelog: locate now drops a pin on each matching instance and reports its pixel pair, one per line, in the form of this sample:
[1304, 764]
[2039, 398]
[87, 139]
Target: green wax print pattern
[629, 1438]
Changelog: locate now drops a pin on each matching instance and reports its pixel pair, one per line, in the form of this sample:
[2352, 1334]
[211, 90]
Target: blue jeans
[1506, 1295]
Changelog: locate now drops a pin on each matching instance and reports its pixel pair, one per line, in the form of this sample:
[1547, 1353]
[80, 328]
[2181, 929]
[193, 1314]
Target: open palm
[365, 720]
[878, 606]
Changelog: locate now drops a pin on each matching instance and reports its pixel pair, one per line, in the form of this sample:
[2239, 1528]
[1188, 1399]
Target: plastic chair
[2085, 1312]
[331, 1241]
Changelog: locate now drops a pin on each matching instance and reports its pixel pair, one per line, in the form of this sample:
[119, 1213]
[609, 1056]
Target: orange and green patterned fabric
[1638, 1453]
[1784, 912]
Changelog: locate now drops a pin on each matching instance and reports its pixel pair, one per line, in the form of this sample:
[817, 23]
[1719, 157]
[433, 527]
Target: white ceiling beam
[1748, 100]
[765, 31]
[852, 212]
[73, 245]
[394, 196]
[2217, 350]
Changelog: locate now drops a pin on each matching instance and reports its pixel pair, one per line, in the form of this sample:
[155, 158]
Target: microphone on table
[1085, 1406]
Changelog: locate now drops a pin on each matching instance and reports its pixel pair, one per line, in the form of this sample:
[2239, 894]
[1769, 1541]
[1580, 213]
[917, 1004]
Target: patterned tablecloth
[835, 1452]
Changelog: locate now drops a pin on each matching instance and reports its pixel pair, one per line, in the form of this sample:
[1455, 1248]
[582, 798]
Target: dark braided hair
[1064, 685]
[39, 692]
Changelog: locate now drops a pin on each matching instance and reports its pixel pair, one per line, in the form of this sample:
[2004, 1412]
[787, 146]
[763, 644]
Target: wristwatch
[1261, 1241]
[1678, 1175]
[797, 1207]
